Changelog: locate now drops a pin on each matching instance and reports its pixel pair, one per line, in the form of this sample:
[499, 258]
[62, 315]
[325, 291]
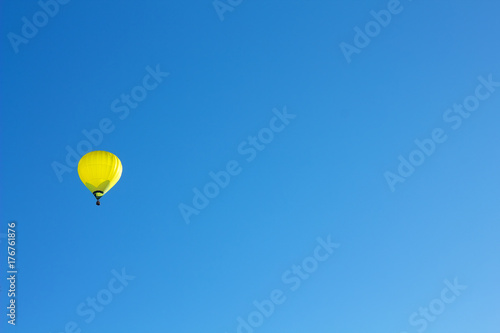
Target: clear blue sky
[321, 177]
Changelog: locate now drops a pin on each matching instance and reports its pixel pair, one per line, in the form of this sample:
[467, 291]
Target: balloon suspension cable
[98, 195]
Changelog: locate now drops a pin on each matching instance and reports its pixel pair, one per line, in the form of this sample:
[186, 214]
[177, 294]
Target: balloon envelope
[99, 171]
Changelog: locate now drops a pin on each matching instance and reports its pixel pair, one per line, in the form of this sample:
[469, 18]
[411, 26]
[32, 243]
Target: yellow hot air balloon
[99, 171]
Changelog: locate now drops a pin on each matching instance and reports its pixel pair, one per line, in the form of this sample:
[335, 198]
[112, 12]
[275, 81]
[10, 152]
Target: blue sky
[306, 232]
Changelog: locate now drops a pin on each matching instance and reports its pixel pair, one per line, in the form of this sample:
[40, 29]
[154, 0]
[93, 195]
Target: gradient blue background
[321, 176]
